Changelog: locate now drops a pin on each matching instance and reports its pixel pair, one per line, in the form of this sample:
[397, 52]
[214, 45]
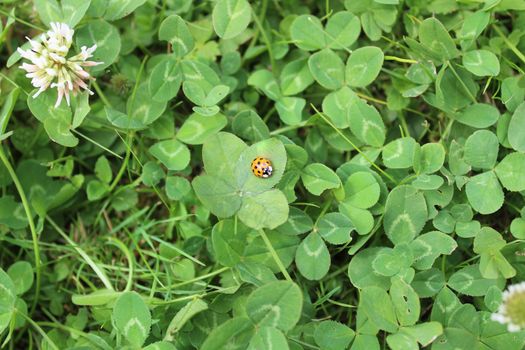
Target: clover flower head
[51, 68]
[512, 310]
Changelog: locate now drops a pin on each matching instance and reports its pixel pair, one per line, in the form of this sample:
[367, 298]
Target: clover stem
[399, 59]
[5, 13]
[101, 94]
[509, 44]
[274, 255]
[462, 83]
[32, 228]
[44, 335]
[266, 42]
[354, 146]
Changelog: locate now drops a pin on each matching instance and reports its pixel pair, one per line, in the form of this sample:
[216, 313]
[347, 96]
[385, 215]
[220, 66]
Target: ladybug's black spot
[258, 163]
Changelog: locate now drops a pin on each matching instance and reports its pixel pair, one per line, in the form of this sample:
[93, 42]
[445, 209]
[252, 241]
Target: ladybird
[262, 167]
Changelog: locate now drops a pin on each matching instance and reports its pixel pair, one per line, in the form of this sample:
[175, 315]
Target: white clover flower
[52, 68]
[512, 310]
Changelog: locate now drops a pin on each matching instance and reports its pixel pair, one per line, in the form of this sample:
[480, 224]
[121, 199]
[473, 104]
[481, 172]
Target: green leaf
[249, 125]
[481, 63]
[399, 154]
[197, 128]
[327, 68]
[342, 30]
[105, 36]
[307, 33]
[517, 228]
[49, 11]
[318, 177]
[312, 257]
[122, 120]
[391, 262]
[512, 92]
[126, 199]
[231, 17]
[290, 109]
[7, 109]
[264, 80]
[268, 338]
[516, 129]
[469, 281]
[511, 172]
[331, 335]
[152, 173]
[295, 77]
[57, 121]
[488, 243]
[472, 27]
[174, 29]
[96, 190]
[255, 274]
[59, 130]
[429, 158]
[199, 73]
[81, 108]
[22, 275]
[160, 345]
[182, 316]
[74, 10]
[121, 8]
[481, 149]
[298, 223]
[363, 66]
[12, 213]
[218, 196]
[285, 246]
[436, 38]
[276, 304]
[336, 105]
[268, 209]
[165, 80]
[362, 219]
[405, 301]
[177, 187]
[7, 300]
[361, 190]
[493, 298]
[103, 169]
[234, 334]
[428, 283]
[429, 246]
[479, 115]
[216, 94]
[362, 274]
[132, 318]
[405, 214]
[229, 241]
[173, 154]
[484, 193]
[142, 109]
[220, 154]
[335, 228]
[96, 298]
[378, 307]
[366, 123]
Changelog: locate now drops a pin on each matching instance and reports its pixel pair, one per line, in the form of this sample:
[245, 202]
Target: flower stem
[32, 228]
[5, 13]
